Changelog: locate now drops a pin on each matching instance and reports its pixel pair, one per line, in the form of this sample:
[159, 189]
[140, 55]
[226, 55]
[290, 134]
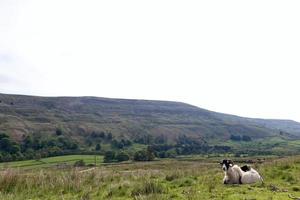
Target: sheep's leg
[240, 180]
[225, 181]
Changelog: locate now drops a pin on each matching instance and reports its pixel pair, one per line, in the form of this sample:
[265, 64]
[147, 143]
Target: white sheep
[239, 175]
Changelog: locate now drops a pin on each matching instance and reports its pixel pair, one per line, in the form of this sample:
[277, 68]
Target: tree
[122, 156]
[121, 144]
[37, 157]
[89, 141]
[162, 154]
[109, 136]
[150, 154]
[14, 149]
[59, 131]
[171, 153]
[160, 140]
[109, 156]
[102, 134]
[140, 156]
[7, 157]
[117, 144]
[144, 155]
[3, 135]
[10, 148]
[235, 137]
[27, 142]
[55, 151]
[98, 147]
[94, 134]
[5, 144]
[246, 138]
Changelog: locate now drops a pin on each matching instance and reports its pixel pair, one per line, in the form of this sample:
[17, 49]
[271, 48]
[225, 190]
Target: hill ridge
[131, 116]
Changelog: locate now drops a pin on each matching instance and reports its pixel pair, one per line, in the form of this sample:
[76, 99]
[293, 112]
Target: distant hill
[79, 116]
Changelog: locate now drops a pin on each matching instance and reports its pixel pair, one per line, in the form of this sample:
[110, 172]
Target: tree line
[36, 146]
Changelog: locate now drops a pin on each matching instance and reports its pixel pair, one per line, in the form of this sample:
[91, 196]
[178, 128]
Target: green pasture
[52, 161]
[191, 178]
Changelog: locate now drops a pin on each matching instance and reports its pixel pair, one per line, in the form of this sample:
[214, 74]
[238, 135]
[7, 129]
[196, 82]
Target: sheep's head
[226, 164]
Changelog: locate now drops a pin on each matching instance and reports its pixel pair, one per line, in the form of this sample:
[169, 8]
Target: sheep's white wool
[232, 175]
[235, 175]
[251, 176]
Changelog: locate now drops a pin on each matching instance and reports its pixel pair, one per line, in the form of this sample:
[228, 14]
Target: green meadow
[52, 162]
[182, 178]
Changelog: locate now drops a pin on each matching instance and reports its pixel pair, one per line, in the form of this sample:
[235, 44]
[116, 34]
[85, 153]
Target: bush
[58, 131]
[144, 155]
[122, 156]
[109, 156]
[171, 153]
[7, 145]
[246, 138]
[79, 163]
[140, 156]
[98, 147]
[121, 144]
[235, 137]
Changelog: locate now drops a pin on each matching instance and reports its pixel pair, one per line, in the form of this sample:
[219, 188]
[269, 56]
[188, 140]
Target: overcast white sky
[238, 57]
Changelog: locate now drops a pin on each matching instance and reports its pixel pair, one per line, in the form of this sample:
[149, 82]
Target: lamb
[239, 175]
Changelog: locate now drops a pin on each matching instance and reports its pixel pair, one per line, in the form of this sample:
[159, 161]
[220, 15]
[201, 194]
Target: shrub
[58, 131]
[109, 156]
[120, 144]
[98, 147]
[235, 137]
[122, 156]
[79, 163]
[171, 153]
[144, 155]
[246, 138]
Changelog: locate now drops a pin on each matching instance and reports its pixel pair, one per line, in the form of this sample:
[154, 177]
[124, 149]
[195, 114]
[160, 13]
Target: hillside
[78, 117]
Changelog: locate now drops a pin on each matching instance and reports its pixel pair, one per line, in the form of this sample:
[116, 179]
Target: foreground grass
[52, 161]
[166, 179]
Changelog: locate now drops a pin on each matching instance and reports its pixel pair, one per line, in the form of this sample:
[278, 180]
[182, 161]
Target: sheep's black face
[226, 164]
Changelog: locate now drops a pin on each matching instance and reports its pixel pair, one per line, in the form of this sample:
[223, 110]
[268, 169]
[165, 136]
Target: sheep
[239, 175]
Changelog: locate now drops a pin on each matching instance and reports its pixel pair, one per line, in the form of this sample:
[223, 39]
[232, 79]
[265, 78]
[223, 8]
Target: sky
[236, 57]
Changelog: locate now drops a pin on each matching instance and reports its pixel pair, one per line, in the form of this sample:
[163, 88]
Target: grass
[274, 145]
[52, 161]
[190, 179]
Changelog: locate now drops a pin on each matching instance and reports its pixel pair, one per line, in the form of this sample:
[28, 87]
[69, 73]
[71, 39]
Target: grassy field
[191, 179]
[52, 161]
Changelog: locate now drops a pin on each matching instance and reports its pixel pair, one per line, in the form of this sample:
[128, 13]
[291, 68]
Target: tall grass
[154, 180]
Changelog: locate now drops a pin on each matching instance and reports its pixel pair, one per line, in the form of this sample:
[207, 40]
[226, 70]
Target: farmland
[52, 161]
[193, 177]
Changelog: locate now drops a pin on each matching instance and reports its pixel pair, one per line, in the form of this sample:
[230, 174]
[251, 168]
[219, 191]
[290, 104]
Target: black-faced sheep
[239, 175]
